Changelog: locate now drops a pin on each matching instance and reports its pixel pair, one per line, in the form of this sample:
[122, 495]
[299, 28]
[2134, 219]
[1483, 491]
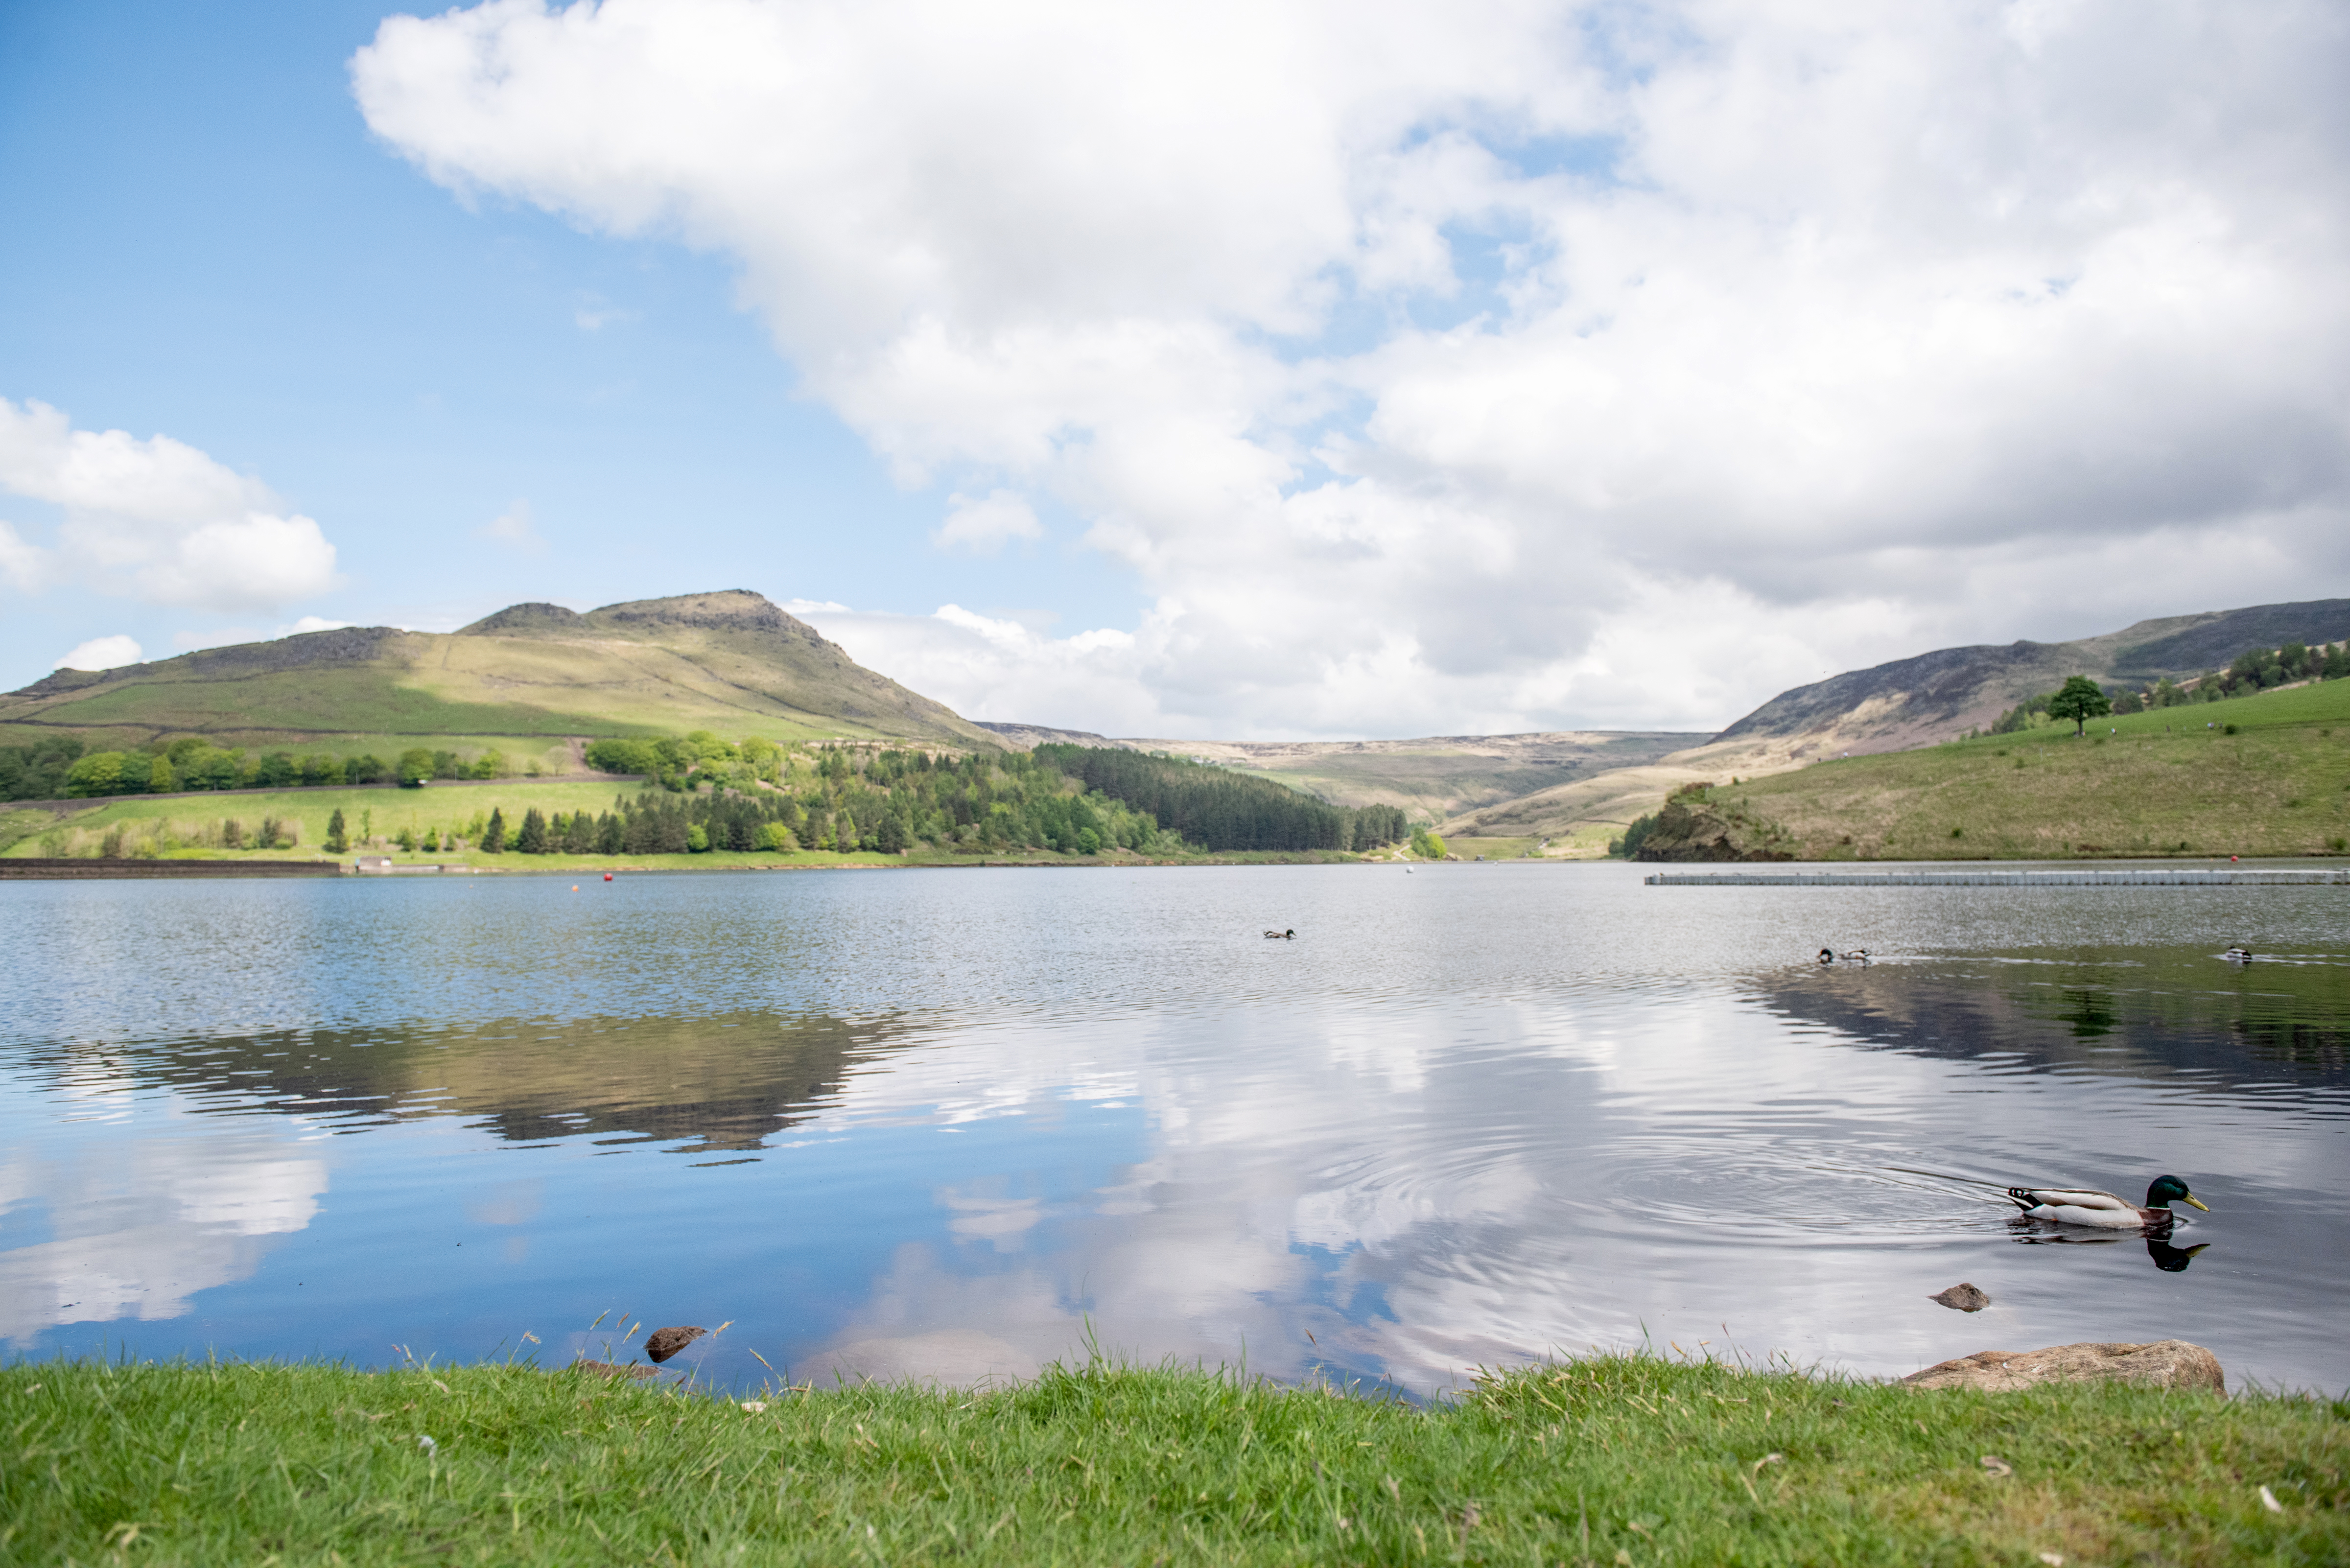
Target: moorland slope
[1936, 696]
[1898, 707]
[2266, 774]
[730, 663]
[1434, 776]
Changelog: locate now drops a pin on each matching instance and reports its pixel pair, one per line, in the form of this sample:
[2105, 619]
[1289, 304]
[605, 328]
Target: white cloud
[513, 528]
[24, 565]
[594, 312]
[140, 1229]
[1468, 367]
[986, 524]
[103, 653]
[988, 669]
[154, 519]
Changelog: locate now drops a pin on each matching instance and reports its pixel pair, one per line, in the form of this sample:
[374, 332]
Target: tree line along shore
[1613, 1460]
[705, 795]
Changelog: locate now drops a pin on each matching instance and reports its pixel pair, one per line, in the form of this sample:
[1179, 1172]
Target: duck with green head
[2074, 1206]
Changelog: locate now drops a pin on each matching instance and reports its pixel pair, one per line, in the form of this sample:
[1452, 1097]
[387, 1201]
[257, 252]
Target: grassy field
[1491, 849]
[189, 828]
[1605, 1462]
[440, 807]
[2173, 783]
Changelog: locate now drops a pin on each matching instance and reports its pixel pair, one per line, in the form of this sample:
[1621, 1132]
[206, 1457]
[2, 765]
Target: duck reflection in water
[2170, 1259]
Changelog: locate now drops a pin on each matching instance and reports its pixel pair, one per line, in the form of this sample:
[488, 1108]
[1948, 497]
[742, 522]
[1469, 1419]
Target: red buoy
[608, 876]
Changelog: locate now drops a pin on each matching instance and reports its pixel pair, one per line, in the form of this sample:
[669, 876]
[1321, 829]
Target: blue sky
[211, 244]
[1339, 369]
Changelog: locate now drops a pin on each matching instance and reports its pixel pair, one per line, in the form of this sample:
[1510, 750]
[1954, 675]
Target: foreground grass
[1611, 1461]
[2149, 785]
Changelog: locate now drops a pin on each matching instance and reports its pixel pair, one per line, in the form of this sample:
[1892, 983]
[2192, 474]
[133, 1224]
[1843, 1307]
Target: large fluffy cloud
[1486, 359]
[155, 519]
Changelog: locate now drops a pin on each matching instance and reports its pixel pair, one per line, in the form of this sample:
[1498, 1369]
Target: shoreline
[2001, 870]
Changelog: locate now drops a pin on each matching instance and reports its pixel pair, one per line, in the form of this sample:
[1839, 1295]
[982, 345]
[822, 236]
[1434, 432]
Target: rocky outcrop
[519, 620]
[2164, 1364]
[1698, 829]
[1962, 1298]
[730, 610]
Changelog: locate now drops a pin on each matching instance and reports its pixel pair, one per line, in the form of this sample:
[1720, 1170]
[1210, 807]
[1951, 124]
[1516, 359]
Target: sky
[1203, 371]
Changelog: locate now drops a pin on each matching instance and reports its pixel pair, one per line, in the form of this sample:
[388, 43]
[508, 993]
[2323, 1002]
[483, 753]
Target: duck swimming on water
[2238, 954]
[1280, 936]
[2102, 1210]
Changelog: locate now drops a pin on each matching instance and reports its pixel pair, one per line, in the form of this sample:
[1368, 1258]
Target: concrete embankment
[82, 870]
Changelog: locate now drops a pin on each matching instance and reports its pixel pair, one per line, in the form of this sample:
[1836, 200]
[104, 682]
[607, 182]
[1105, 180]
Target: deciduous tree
[2080, 700]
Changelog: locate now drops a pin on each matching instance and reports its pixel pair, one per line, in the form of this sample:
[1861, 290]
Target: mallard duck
[2069, 1205]
[1858, 955]
[2238, 954]
[1280, 936]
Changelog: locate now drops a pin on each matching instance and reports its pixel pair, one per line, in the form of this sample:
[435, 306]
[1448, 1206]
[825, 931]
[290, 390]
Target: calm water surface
[948, 1123]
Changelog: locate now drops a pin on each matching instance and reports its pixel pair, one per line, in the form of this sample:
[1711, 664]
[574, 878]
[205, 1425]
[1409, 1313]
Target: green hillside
[2263, 774]
[521, 679]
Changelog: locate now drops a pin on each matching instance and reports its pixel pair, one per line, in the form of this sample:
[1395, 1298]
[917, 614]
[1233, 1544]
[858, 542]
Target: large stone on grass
[2164, 1364]
[664, 1343]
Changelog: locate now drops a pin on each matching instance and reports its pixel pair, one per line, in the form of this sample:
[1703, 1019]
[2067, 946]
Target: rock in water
[664, 1343]
[1965, 1298]
[2166, 1363]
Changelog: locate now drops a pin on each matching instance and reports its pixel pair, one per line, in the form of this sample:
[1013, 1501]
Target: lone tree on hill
[2080, 701]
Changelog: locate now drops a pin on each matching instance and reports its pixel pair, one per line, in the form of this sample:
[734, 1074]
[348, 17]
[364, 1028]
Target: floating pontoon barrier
[2157, 879]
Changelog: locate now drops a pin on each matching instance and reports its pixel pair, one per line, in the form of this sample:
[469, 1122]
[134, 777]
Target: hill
[730, 663]
[1898, 706]
[2264, 775]
[1934, 696]
[1432, 777]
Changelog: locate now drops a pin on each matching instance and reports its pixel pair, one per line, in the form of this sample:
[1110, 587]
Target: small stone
[664, 1343]
[1965, 1298]
[2164, 1364]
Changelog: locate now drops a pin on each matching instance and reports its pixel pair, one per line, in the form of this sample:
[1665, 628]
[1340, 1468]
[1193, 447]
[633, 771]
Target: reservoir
[960, 1124]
